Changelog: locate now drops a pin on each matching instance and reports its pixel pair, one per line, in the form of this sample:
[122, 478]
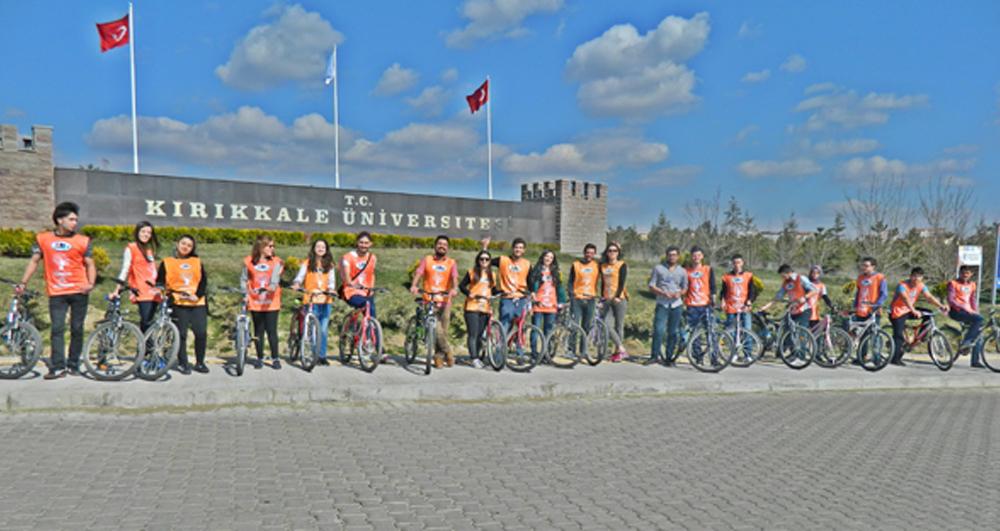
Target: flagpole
[131, 55]
[489, 138]
[336, 124]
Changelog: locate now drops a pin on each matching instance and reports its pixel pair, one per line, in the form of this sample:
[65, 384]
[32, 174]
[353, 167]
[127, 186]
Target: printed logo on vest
[61, 246]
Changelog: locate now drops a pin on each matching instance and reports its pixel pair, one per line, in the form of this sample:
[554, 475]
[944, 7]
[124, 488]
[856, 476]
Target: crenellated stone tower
[581, 211]
[27, 174]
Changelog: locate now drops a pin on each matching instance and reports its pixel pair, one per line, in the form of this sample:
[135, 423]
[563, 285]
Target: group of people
[682, 292]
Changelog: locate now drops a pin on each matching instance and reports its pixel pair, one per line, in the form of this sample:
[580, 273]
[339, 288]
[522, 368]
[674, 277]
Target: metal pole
[336, 123]
[489, 138]
[131, 55]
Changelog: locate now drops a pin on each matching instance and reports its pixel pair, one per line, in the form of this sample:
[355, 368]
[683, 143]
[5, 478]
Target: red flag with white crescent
[114, 34]
[479, 98]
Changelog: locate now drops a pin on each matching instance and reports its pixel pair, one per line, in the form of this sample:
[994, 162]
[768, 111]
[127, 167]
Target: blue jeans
[975, 324]
[545, 321]
[510, 309]
[743, 317]
[582, 311]
[322, 312]
[359, 301]
[666, 321]
[802, 319]
[696, 315]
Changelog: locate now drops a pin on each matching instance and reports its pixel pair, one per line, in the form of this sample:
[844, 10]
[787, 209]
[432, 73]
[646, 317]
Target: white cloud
[834, 148]
[597, 152]
[794, 63]
[745, 133]
[670, 176]
[394, 80]
[833, 106]
[860, 169]
[449, 75]
[800, 167]
[757, 77]
[820, 87]
[633, 76]
[293, 47]
[863, 169]
[493, 18]
[430, 102]
[749, 30]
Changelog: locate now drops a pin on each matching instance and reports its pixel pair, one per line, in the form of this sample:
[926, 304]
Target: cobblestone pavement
[886, 460]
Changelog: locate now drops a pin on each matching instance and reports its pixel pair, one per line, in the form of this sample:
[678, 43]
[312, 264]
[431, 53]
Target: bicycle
[874, 346]
[303, 335]
[834, 345]
[420, 331]
[708, 342]
[163, 341]
[492, 346]
[116, 347]
[794, 344]
[20, 342]
[361, 335]
[989, 341]
[747, 346]
[938, 346]
[521, 339]
[242, 336]
[601, 335]
[563, 341]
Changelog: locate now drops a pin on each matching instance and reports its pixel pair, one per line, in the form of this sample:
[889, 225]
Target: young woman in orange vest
[259, 281]
[478, 282]
[963, 299]
[738, 293]
[139, 272]
[184, 278]
[904, 307]
[317, 275]
[548, 293]
[437, 273]
[815, 273]
[583, 275]
[700, 295]
[614, 273]
[512, 279]
[69, 276]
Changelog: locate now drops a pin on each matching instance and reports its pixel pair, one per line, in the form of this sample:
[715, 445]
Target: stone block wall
[27, 177]
[581, 210]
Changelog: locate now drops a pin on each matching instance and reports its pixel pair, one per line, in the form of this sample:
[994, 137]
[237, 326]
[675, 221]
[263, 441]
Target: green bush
[16, 242]
[101, 259]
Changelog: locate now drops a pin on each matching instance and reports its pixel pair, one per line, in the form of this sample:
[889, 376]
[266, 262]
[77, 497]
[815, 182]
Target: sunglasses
[484, 259]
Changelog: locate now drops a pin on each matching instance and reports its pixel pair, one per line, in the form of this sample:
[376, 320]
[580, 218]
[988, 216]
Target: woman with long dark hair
[316, 277]
[259, 281]
[547, 292]
[183, 275]
[477, 285]
[614, 273]
[139, 272]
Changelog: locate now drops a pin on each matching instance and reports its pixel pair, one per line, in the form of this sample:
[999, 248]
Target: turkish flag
[479, 98]
[114, 34]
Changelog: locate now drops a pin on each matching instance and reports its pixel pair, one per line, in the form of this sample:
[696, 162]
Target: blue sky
[786, 105]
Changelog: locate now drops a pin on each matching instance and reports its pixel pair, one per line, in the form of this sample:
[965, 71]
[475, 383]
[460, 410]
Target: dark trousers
[265, 322]
[582, 311]
[545, 321]
[58, 306]
[147, 312]
[898, 335]
[475, 323]
[359, 301]
[194, 318]
[975, 324]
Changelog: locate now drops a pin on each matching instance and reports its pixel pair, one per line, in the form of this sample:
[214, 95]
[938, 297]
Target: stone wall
[581, 210]
[26, 175]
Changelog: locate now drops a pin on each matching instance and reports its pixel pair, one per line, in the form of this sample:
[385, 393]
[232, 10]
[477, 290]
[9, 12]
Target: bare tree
[823, 245]
[705, 216]
[946, 209]
[786, 247]
[879, 215]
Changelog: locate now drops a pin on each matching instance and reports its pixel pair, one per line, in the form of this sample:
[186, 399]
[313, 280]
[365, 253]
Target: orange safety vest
[910, 293]
[964, 292]
[813, 299]
[699, 291]
[609, 280]
[65, 268]
[737, 291]
[585, 279]
[546, 298]
[794, 290]
[478, 287]
[318, 280]
[437, 277]
[868, 287]
[183, 276]
[366, 278]
[142, 274]
[513, 276]
[258, 277]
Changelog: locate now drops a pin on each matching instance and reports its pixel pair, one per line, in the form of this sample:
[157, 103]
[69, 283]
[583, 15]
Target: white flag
[331, 68]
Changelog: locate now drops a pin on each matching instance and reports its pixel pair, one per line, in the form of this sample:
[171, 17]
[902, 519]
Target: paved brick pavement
[858, 460]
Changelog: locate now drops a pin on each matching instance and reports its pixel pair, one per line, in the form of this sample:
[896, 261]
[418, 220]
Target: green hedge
[16, 242]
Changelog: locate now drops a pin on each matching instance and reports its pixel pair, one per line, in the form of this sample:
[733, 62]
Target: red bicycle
[491, 344]
[522, 352]
[361, 335]
[304, 336]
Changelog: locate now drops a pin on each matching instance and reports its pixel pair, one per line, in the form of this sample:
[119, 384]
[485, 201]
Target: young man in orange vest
[904, 307]
[512, 280]
[963, 299]
[436, 280]
[69, 276]
[700, 296]
[798, 289]
[738, 294]
[583, 275]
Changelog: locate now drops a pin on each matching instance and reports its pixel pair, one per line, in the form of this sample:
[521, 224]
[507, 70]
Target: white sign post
[971, 255]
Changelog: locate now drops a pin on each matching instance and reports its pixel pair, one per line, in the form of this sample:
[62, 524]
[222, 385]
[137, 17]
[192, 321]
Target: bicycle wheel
[833, 348]
[429, 344]
[20, 348]
[370, 345]
[796, 347]
[112, 351]
[413, 339]
[595, 345]
[308, 342]
[242, 344]
[493, 347]
[563, 344]
[875, 350]
[522, 349]
[346, 341]
[989, 345]
[163, 340]
[942, 354]
[709, 350]
[294, 335]
[747, 350]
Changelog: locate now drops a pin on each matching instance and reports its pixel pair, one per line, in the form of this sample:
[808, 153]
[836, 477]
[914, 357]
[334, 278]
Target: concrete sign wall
[111, 198]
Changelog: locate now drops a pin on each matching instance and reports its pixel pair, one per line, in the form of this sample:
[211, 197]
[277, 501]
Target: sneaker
[201, 367]
[275, 363]
[323, 361]
[385, 358]
[54, 375]
[184, 369]
[651, 361]
[977, 366]
[477, 363]
[616, 357]
[898, 362]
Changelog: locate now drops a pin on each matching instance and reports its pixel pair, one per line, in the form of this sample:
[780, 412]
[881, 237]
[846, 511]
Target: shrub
[101, 259]
[16, 242]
